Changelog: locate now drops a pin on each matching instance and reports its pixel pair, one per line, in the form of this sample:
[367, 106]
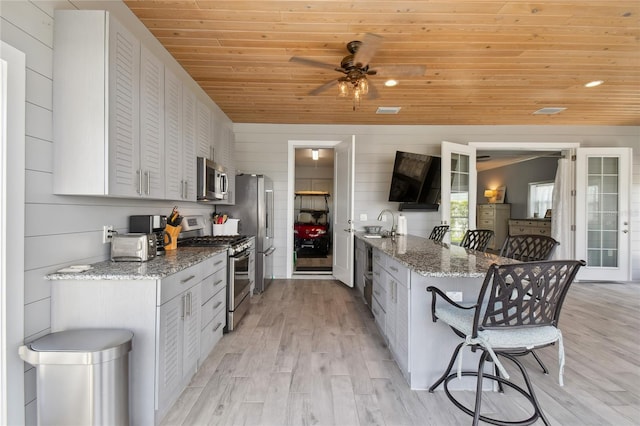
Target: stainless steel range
[241, 250]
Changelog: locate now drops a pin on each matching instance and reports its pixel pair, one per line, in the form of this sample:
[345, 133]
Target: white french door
[344, 177]
[458, 190]
[603, 179]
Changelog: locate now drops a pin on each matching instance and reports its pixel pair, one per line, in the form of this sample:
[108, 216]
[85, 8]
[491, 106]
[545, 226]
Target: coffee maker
[149, 224]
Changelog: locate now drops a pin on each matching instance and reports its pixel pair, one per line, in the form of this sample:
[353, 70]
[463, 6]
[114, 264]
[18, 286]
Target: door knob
[625, 231]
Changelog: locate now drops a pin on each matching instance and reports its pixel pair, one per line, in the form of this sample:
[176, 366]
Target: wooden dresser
[530, 227]
[494, 217]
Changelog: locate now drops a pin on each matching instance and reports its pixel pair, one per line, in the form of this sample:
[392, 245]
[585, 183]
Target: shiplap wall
[64, 230]
[262, 148]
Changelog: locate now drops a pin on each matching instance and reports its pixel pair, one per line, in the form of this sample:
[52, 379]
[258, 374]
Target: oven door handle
[270, 251]
[244, 255]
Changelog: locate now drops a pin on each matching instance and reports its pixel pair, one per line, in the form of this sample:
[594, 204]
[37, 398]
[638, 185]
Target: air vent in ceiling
[549, 110]
[388, 110]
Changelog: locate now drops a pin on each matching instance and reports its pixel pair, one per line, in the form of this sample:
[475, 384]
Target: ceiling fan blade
[367, 49]
[323, 88]
[312, 63]
[400, 70]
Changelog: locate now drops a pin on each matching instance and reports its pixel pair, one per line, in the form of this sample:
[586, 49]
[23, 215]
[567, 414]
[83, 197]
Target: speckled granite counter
[431, 259]
[160, 267]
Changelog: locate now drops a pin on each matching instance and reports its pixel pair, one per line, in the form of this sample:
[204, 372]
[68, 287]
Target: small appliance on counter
[133, 247]
[150, 224]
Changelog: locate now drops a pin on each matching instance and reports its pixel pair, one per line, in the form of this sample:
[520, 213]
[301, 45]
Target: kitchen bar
[402, 269]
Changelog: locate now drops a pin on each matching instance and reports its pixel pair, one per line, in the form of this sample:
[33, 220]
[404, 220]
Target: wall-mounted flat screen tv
[415, 179]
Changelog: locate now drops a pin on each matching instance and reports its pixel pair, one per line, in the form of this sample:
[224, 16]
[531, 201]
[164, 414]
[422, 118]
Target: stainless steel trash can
[82, 376]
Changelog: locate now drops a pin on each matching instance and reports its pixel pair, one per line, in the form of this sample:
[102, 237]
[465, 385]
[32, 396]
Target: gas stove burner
[211, 241]
[235, 243]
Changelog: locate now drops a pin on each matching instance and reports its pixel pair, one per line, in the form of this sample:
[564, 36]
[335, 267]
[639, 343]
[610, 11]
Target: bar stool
[517, 310]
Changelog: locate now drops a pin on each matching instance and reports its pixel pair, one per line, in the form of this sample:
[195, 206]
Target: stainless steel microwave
[213, 184]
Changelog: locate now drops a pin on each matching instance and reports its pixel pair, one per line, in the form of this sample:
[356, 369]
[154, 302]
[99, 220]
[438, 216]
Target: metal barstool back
[477, 239]
[438, 232]
[528, 248]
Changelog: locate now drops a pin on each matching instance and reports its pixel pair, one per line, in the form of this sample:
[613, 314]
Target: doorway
[312, 210]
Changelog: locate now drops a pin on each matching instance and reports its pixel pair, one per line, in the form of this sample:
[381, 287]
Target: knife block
[171, 237]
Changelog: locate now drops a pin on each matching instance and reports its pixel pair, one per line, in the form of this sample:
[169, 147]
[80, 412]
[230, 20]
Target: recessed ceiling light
[594, 83]
[549, 110]
[391, 83]
[388, 110]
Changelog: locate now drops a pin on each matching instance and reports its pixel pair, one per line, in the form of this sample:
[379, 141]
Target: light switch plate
[363, 217]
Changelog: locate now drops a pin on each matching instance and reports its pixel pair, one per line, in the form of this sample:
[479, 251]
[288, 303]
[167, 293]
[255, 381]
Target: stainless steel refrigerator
[254, 208]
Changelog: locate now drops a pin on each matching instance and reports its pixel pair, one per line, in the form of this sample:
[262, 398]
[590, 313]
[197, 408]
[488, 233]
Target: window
[540, 198]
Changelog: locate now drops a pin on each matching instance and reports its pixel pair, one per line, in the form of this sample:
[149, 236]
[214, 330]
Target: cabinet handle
[184, 307]
[189, 304]
[217, 327]
[217, 283]
[217, 304]
[185, 194]
[139, 173]
[148, 173]
[218, 262]
[186, 280]
[393, 268]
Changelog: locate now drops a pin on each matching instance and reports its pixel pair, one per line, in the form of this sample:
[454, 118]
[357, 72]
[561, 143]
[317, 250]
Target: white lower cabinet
[178, 344]
[214, 305]
[391, 284]
[166, 317]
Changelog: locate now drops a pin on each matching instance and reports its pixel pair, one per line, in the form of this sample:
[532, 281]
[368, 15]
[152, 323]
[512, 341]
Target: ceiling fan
[355, 67]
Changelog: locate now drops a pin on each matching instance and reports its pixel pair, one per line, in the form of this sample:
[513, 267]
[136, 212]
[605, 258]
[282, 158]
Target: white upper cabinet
[189, 144]
[124, 124]
[151, 167]
[95, 104]
[180, 156]
[173, 136]
[204, 139]
[108, 109]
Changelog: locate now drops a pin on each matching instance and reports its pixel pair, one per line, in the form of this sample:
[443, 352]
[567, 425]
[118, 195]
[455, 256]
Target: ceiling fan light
[357, 93]
[343, 88]
[363, 86]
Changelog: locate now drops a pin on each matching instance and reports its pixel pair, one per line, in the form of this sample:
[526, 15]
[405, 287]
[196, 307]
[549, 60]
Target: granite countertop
[160, 267]
[431, 259]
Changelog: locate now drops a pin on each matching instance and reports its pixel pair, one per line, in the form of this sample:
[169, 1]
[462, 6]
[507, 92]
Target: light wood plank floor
[309, 353]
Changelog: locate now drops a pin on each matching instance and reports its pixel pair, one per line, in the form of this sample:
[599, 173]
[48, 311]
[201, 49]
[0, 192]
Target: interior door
[603, 177]
[458, 190]
[343, 216]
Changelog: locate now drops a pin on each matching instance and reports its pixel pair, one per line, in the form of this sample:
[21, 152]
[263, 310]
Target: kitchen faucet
[393, 220]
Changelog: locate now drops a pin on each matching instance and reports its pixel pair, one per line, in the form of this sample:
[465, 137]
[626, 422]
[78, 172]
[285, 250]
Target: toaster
[133, 247]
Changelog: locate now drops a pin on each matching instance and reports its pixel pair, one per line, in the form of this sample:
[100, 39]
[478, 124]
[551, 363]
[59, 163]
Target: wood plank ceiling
[487, 62]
